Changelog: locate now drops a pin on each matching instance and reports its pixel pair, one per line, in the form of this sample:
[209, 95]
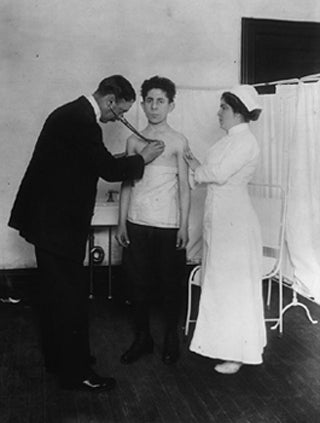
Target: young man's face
[156, 106]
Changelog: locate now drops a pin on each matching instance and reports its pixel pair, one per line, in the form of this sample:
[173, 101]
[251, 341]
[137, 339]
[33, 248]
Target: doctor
[53, 211]
[230, 325]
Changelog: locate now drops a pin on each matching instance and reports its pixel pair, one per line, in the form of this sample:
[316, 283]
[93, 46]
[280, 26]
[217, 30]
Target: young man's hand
[182, 239]
[122, 236]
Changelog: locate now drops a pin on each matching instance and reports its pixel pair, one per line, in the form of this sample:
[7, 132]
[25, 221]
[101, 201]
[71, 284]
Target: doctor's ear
[110, 100]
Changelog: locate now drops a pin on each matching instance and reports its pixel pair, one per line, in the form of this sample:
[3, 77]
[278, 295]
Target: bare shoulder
[179, 141]
[134, 144]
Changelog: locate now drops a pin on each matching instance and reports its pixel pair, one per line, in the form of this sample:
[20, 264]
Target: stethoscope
[129, 126]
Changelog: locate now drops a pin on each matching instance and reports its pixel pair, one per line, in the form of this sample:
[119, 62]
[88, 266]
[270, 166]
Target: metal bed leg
[296, 303]
[269, 292]
[91, 245]
[280, 305]
[110, 264]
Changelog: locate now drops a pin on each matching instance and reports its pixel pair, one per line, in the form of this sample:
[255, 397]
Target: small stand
[92, 249]
[295, 303]
[105, 217]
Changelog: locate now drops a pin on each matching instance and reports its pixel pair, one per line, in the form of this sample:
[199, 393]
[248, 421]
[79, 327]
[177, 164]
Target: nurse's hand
[190, 159]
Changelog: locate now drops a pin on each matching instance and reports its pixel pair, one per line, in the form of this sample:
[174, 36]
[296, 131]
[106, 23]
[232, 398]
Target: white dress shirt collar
[95, 106]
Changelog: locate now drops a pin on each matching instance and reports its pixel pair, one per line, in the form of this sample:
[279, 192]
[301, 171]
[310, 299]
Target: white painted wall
[52, 51]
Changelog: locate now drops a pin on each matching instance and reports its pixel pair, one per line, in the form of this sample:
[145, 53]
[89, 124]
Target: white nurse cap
[248, 95]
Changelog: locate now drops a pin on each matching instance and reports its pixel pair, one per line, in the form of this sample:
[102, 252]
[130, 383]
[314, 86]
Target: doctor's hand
[190, 159]
[122, 236]
[152, 150]
[120, 155]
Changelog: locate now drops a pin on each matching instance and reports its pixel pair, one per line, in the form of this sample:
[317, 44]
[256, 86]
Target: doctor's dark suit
[53, 211]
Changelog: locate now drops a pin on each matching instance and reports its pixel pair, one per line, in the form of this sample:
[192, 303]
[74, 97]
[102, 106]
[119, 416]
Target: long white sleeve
[222, 163]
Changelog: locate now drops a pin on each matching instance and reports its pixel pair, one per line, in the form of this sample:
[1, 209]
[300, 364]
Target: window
[273, 50]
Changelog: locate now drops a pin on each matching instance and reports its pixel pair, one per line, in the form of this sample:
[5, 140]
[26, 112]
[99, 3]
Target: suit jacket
[56, 198]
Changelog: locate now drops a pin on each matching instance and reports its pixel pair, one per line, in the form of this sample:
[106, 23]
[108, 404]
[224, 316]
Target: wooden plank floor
[285, 389]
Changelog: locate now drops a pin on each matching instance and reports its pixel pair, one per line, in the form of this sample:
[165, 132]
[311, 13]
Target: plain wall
[52, 51]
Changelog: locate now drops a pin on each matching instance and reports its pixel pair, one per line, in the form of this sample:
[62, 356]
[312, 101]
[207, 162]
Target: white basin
[105, 214]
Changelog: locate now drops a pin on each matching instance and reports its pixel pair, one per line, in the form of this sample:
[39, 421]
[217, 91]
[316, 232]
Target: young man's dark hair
[164, 84]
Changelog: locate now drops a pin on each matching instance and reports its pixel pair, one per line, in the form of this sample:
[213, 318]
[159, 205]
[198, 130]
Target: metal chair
[270, 205]
[194, 280]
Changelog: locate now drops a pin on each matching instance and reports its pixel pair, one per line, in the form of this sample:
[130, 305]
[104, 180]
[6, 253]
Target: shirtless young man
[153, 224]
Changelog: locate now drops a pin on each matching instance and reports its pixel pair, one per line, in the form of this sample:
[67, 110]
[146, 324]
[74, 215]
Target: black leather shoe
[92, 383]
[141, 345]
[171, 351]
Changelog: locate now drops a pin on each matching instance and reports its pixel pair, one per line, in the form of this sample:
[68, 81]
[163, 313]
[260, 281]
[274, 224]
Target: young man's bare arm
[124, 200]
[184, 197]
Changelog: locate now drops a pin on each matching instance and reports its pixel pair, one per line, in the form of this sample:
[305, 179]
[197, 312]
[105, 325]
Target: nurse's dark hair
[117, 85]
[238, 107]
[161, 83]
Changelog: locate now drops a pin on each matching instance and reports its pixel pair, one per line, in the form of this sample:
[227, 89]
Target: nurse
[230, 325]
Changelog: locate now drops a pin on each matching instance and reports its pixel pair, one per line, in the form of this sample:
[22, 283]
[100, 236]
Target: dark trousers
[150, 262]
[63, 315]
